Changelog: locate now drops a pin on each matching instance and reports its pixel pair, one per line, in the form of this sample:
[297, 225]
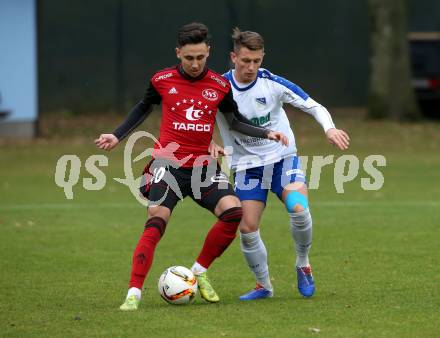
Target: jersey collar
[189, 77]
[230, 77]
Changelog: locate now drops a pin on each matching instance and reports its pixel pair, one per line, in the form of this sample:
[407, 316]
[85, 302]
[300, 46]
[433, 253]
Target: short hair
[193, 33]
[250, 40]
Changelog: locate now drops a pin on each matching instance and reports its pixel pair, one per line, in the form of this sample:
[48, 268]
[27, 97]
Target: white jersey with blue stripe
[262, 102]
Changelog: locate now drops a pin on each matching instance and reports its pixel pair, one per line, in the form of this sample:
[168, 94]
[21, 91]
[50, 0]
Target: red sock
[220, 236]
[144, 252]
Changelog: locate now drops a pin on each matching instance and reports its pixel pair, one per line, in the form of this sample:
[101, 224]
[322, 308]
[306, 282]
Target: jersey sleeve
[319, 112]
[237, 121]
[288, 92]
[138, 113]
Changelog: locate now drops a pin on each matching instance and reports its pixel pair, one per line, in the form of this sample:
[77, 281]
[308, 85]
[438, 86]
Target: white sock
[198, 269]
[134, 292]
[255, 254]
[301, 228]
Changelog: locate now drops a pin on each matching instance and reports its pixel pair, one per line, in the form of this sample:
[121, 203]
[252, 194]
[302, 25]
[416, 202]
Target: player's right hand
[107, 141]
[215, 150]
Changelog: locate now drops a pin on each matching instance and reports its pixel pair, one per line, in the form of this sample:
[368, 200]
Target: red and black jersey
[189, 108]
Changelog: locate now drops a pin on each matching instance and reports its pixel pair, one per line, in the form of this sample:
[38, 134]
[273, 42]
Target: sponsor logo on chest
[193, 110]
[261, 121]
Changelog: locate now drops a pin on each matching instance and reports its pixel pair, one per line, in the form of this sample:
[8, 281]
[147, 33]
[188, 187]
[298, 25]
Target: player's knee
[296, 202]
[159, 211]
[248, 225]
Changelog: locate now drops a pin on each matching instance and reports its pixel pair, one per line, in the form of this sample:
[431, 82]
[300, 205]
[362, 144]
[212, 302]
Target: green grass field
[65, 263]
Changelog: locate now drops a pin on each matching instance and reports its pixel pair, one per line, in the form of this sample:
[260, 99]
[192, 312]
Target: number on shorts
[158, 174]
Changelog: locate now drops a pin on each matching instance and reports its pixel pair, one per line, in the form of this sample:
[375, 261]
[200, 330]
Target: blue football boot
[306, 284]
[258, 293]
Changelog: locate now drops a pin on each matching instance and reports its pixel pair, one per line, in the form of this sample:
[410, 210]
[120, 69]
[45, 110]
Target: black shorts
[164, 185]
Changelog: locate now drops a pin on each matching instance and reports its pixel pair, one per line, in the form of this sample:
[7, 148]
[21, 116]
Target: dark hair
[248, 39]
[192, 33]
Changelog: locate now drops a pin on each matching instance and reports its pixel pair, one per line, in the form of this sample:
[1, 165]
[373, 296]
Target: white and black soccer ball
[177, 285]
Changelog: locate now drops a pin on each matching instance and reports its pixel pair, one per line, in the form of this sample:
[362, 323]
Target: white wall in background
[18, 60]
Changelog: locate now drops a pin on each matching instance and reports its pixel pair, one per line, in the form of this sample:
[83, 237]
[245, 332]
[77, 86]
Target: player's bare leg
[229, 213]
[254, 249]
[143, 254]
[295, 197]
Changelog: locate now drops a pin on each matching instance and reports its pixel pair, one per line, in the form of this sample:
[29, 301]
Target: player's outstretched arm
[338, 138]
[136, 116]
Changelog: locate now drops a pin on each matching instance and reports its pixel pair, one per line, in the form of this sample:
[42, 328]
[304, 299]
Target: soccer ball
[177, 285]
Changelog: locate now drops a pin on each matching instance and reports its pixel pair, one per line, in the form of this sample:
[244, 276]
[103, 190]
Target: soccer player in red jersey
[190, 94]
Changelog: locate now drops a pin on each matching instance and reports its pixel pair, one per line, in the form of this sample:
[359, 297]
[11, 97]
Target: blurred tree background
[391, 92]
[98, 56]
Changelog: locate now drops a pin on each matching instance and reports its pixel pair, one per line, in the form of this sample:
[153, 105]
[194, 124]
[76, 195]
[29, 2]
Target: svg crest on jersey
[210, 94]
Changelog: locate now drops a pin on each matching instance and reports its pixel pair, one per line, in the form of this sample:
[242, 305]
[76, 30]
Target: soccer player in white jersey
[261, 165]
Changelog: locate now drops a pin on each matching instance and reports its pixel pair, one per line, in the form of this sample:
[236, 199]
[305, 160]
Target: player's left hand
[278, 137]
[215, 150]
[338, 138]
